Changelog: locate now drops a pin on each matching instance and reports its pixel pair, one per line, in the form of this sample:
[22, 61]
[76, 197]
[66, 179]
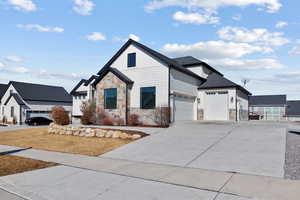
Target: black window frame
[107, 106]
[142, 103]
[12, 111]
[131, 61]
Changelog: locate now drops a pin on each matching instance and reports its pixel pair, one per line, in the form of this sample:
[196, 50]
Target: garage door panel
[216, 106]
[184, 108]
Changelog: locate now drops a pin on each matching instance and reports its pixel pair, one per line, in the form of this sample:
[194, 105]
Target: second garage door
[183, 108]
[216, 106]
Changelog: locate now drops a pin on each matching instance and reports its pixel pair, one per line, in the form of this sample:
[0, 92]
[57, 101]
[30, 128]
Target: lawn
[39, 138]
[14, 164]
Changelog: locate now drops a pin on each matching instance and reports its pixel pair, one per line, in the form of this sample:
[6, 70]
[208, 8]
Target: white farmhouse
[138, 80]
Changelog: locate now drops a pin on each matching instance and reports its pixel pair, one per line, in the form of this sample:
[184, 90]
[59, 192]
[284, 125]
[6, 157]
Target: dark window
[131, 59]
[12, 111]
[148, 97]
[110, 98]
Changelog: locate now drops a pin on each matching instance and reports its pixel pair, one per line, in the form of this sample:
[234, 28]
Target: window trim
[12, 111]
[130, 64]
[104, 96]
[141, 98]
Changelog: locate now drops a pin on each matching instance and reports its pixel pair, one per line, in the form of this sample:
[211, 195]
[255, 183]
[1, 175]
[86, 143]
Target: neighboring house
[139, 80]
[21, 100]
[82, 92]
[293, 111]
[269, 107]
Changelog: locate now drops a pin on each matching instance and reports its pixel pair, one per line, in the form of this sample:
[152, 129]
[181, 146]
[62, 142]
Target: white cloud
[270, 5]
[237, 17]
[195, 18]
[262, 36]
[214, 49]
[298, 41]
[83, 7]
[281, 24]
[1, 65]
[246, 64]
[25, 5]
[13, 59]
[130, 36]
[295, 50]
[9, 69]
[40, 28]
[134, 37]
[42, 73]
[96, 36]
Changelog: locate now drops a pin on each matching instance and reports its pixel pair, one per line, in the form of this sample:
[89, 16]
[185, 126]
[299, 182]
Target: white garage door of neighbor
[216, 106]
[38, 114]
[184, 108]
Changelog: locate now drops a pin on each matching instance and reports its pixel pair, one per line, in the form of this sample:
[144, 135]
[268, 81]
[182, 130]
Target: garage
[183, 108]
[216, 106]
[30, 114]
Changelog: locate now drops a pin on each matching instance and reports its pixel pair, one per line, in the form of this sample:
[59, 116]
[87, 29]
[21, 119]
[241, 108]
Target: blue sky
[60, 41]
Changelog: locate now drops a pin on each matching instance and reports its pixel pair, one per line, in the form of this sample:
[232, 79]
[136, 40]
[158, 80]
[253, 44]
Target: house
[20, 100]
[269, 107]
[82, 92]
[293, 111]
[139, 80]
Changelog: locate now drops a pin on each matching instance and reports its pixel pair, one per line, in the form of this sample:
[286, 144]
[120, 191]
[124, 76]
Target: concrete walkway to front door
[247, 147]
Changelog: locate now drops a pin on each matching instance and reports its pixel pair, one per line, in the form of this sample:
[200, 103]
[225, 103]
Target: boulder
[136, 136]
[116, 134]
[91, 133]
[109, 134]
[100, 133]
[76, 133]
[124, 136]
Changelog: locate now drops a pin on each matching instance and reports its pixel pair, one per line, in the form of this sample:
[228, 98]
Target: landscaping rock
[109, 134]
[124, 136]
[135, 137]
[91, 133]
[100, 133]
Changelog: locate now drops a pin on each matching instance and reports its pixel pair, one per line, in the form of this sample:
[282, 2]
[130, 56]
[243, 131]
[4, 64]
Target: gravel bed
[292, 157]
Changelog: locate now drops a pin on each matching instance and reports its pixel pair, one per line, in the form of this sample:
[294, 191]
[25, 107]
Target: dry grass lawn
[14, 164]
[39, 138]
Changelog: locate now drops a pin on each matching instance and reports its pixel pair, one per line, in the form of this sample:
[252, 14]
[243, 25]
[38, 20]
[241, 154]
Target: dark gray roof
[293, 108]
[87, 82]
[268, 100]
[16, 97]
[37, 92]
[116, 72]
[3, 88]
[190, 61]
[215, 81]
[164, 59]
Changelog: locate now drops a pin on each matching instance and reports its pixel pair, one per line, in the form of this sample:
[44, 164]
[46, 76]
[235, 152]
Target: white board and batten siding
[148, 72]
[184, 90]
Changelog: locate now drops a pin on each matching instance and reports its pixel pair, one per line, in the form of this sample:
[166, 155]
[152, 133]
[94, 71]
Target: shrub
[162, 116]
[60, 115]
[14, 120]
[108, 121]
[133, 120]
[88, 113]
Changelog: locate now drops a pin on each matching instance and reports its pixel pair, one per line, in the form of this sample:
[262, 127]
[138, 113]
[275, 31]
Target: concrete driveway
[249, 148]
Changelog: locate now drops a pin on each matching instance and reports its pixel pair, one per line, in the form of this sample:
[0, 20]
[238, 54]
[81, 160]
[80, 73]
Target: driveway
[248, 147]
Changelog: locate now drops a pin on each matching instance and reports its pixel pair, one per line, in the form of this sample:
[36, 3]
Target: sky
[58, 42]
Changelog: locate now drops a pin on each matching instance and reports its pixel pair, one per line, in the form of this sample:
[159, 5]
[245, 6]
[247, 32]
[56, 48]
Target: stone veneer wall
[232, 114]
[200, 114]
[147, 116]
[112, 81]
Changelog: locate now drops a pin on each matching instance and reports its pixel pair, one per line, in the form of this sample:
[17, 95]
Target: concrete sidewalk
[208, 180]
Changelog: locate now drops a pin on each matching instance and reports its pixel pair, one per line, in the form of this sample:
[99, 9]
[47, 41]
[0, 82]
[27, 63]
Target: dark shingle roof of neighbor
[116, 72]
[164, 59]
[264, 100]
[16, 97]
[37, 92]
[215, 81]
[190, 61]
[293, 108]
[3, 88]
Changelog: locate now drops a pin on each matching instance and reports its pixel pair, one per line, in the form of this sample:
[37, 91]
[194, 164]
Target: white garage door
[216, 106]
[38, 114]
[183, 108]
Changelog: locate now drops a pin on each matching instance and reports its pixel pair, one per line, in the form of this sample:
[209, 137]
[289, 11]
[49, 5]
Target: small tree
[162, 116]
[88, 110]
[14, 121]
[60, 115]
[4, 120]
[134, 120]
